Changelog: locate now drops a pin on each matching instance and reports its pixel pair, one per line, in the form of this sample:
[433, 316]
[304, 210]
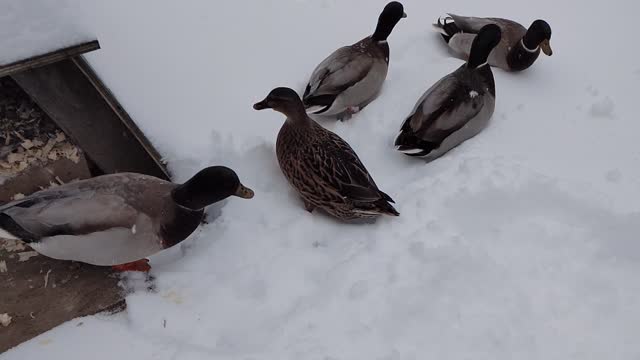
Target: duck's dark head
[209, 186]
[538, 35]
[282, 99]
[390, 16]
[488, 38]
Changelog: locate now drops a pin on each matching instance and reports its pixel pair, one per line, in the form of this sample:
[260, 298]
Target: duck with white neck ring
[455, 108]
[352, 76]
[518, 49]
[116, 220]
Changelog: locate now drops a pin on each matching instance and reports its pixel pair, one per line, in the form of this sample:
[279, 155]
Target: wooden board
[49, 58]
[40, 294]
[69, 94]
[119, 111]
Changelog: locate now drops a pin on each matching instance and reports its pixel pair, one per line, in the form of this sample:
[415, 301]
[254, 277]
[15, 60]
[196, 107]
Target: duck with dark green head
[352, 76]
[518, 49]
[116, 220]
[455, 108]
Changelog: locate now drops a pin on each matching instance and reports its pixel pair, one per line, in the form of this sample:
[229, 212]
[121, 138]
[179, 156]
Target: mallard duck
[352, 76]
[116, 220]
[518, 49]
[455, 108]
[321, 166]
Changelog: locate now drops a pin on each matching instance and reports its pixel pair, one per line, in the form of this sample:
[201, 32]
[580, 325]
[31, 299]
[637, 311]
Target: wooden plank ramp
[41, 293]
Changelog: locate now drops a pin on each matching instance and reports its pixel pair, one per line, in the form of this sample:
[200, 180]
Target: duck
[455, 108]
[518, 49]
[116, 220]
[326, 172]
[352, 76]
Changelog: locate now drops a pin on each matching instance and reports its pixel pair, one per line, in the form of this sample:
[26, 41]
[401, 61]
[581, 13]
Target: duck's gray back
[354, 73]
[481, 84]
[472, 128]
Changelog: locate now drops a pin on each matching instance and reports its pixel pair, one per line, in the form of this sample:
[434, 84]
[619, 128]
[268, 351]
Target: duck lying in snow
[455, 108]
[116, 220]
[351, 77]
[321, 166]
[518, 49]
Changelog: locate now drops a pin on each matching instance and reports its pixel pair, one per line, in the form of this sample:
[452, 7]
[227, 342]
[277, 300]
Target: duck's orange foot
[140, 265]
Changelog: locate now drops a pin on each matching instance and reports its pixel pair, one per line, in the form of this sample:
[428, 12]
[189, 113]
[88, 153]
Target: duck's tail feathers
[385, 208]
[411, 145]
[318, 104]
[386, 197]
[447, 27]
[10, 229]
[6, 235]
[316, 109]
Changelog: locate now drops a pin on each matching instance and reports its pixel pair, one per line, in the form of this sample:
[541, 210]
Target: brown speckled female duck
[351, 77]
[321, 166]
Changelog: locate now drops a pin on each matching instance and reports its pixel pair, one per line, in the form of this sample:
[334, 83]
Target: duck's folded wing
[338, 167]
[471, 24]
[72, 212]
[445, 108]
[340, 71]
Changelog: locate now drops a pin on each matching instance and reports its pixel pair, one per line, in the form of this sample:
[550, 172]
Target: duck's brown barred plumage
[328, 174]
[321, 166]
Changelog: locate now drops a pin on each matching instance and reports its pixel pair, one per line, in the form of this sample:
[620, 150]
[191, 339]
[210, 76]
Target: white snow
[520, 244]
[36, 27]
[603, 108]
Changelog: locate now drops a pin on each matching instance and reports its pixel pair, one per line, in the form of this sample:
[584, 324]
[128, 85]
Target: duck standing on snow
[352, 76]
[518, 49]
[116, 220]
[321, 166]
[455, 108]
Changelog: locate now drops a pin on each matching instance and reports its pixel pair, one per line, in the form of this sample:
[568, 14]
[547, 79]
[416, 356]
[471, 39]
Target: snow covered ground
[35, 27]
[524, 243]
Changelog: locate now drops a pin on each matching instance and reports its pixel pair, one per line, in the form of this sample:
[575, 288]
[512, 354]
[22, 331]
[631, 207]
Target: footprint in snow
[603, 108]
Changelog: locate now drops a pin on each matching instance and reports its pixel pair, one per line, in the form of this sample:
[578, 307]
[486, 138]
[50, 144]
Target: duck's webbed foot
[348, 113]
[140, 265]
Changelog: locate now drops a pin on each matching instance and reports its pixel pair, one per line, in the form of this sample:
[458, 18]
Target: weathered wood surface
[120, 112]
[49, 58]
[70, 99]
[40, 294]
